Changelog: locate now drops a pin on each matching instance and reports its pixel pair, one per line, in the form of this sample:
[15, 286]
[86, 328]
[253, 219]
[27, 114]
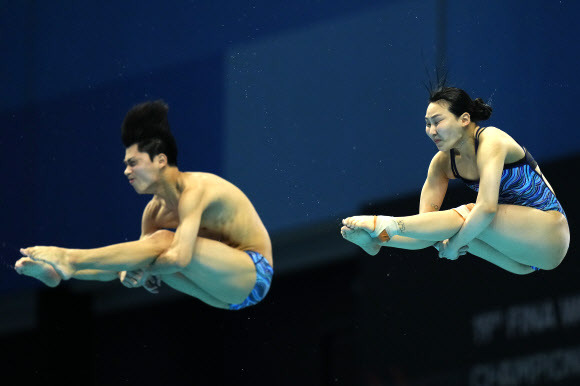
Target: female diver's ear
[465, 119]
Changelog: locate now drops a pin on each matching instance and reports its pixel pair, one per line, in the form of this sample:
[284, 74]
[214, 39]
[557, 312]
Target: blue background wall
[313, 109]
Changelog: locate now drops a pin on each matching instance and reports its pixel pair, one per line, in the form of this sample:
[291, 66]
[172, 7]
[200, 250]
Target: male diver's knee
[162, 236]
[160, 240]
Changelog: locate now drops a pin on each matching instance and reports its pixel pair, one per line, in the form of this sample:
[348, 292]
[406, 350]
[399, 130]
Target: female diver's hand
[448, 252]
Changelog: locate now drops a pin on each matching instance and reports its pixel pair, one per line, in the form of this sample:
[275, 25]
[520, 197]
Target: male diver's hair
[147, 126]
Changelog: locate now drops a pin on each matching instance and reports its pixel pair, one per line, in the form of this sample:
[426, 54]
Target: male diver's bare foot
[56, 257]
[38, 270]
[361, 238]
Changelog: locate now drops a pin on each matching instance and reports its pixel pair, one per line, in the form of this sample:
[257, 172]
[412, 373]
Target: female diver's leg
[526, 235]
[447, 223]
[492, 255]
[426, 230]
[476, 247]
[429, 226]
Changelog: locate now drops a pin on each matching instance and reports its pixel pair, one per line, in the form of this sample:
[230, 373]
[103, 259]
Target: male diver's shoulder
[152, 206]
[202, 183]
[200, 175]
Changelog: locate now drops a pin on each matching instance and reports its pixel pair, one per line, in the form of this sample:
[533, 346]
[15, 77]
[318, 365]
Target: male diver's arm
[148, 226]
[491, 156]
[129, 278]
[180, 253]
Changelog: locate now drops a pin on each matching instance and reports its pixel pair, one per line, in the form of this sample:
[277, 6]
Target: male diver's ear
[162, 159]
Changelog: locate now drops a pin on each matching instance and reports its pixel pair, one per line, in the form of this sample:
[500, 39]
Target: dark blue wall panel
[73, 69]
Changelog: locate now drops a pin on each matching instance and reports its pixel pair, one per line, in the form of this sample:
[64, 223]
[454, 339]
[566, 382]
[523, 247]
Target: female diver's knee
[523, 270]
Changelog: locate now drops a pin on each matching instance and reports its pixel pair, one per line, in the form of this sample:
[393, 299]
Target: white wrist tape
[383, 223]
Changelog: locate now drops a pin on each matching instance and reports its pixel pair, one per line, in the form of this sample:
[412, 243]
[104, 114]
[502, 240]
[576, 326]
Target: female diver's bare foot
[383, 227]
[54, 256]
[361, 238]
[38, 270]
[360, 222]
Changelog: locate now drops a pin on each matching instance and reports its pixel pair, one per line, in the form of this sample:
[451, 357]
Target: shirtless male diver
[219, 253]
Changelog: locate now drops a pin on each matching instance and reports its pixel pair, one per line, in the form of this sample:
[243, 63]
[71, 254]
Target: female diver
[516, 222]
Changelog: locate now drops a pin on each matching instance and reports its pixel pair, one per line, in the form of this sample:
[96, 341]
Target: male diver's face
[140, 170]
[442, 126]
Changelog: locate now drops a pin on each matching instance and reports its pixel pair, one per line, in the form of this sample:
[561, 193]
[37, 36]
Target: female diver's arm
[435, 185]
[491, 157]
[432, 196]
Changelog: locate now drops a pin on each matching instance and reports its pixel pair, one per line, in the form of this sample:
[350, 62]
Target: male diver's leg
[96, 275]
[118, 257]
[181, 283]
[224, 272]
[46, 273]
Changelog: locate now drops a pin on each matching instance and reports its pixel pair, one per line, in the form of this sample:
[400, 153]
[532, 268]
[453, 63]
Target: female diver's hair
[147, 126]
[460, 102]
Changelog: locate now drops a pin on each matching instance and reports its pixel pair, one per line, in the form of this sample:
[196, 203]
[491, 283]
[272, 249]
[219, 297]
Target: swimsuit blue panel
[264, 273]
[520, 184]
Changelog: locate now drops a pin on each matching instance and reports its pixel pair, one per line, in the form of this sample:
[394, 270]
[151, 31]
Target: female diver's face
[442, 126]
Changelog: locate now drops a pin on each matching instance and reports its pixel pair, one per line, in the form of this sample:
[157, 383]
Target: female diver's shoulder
[441, 164]
[486, 131]
[494, 140]
[495, 136]
[492, 136]
[493, 133]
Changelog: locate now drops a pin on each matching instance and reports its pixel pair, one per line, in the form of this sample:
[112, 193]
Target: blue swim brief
[264, 274]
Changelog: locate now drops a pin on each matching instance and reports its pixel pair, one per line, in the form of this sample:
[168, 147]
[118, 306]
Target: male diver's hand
[140, 278]
[167, 263]
[448, 252]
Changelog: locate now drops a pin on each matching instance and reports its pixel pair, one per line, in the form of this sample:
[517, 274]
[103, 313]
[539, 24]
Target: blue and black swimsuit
[520, 183]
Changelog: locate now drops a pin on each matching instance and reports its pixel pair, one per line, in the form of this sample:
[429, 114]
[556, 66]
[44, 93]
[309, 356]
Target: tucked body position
[516, 223]
[200, 234]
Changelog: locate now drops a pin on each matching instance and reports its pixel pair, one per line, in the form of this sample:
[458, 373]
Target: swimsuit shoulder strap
[453, 165]
[479, 131]
[477, 134]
